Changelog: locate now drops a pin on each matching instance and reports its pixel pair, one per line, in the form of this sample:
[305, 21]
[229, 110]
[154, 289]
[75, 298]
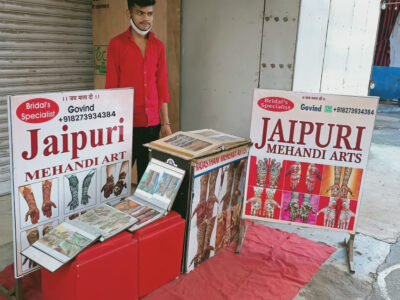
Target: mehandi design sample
[215, 212]
[307, 193]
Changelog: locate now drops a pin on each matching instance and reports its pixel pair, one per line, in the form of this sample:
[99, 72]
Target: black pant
[140, 154]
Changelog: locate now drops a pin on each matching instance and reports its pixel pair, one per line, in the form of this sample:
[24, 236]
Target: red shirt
[126, 67]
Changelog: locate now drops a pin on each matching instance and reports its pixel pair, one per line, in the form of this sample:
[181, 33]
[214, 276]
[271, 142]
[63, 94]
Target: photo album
[67, 240]
[154, 194]
[198, 143]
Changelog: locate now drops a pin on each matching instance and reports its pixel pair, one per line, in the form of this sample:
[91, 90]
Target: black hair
[142, 3]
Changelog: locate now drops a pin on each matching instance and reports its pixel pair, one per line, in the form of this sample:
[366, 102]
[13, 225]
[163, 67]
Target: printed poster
[218, 190]
[70, 152]
[308, 160]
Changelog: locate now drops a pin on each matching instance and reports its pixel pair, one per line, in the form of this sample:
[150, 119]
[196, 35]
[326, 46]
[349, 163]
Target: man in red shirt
[136, 58]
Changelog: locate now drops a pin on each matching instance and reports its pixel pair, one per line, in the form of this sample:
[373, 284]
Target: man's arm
[165, 124]
[112, 74]
[163, 94]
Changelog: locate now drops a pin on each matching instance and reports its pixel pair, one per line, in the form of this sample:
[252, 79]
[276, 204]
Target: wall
[230, 47]
[221, 43]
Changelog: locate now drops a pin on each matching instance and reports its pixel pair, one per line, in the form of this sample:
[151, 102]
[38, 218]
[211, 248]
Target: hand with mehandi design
[329, 212]
[335, 188]
[270, 204]
[46, 228]
[108, 187]
[121, 184]
[73, 187]
[85, 187]
[32, 236]
[293, 207]
[33, 211]
[47, 203]
[345, 215]
[256, 201]
[344, 189]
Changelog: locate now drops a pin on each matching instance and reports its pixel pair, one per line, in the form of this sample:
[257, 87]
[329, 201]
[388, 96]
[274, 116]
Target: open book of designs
[193, 144]
[154, 195]
[67, 240]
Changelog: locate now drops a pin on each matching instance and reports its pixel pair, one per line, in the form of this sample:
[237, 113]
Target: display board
[309, 156]
[70, 151]
[217, 197]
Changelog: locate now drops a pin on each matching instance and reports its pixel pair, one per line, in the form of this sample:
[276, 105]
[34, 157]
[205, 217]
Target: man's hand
[165, 130]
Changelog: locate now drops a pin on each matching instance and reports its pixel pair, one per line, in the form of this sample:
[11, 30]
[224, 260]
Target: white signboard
[70, 151]
[308, 159]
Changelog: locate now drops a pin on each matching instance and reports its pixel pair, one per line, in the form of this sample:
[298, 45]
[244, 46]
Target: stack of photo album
[152, 199]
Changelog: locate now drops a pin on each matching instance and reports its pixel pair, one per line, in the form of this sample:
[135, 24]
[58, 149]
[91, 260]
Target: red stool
[160, 247]
[106, 270]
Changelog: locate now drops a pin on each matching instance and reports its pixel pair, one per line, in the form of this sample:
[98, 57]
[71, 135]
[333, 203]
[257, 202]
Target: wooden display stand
[184, 201]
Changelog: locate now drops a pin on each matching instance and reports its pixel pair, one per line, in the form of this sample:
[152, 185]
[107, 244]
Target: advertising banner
[308, 159]
[70, 151]
[217, 197]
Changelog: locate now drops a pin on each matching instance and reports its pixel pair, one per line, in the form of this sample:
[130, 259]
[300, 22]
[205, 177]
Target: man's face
[142, 16]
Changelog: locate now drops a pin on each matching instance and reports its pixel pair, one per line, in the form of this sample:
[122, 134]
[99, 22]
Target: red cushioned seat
[104, 271]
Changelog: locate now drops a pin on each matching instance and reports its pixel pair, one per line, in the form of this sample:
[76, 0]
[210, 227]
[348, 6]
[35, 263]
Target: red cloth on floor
[31, 283]
[272, 265]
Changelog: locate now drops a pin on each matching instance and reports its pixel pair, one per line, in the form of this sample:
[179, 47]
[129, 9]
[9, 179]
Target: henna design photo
[164, 184]
[237, 195]
[270, 204]
[295, 174]
[79, 190]
[108, 187]
[32, 236]
[85, 187]
[121, 183]
[312, 176]
[337, 213]
[149, 182]
[342, 182]
[33, 211]
[262, 170]
[114, 181]
[274, 173]
[74, 187]
[201, 224]
[256, 201]
[47, 203]
[38, 202]
[299, 207]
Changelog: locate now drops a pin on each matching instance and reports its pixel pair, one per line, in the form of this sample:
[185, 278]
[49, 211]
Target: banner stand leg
[242, 233]
[15, 293]
[349, 251]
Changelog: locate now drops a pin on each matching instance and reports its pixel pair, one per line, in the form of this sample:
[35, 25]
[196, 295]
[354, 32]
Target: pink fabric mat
[31, 283]
[272, 265]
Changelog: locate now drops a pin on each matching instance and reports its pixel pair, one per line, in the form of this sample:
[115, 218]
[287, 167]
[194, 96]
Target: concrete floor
[377, 243]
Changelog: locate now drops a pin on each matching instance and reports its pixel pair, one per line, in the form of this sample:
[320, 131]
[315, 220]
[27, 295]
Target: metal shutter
[45, 46]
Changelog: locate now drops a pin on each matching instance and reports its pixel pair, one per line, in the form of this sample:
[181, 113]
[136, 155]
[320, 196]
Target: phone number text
[89, 116]
[357, 111]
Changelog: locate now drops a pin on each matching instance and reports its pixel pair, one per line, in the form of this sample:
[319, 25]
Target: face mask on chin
[139, 31]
